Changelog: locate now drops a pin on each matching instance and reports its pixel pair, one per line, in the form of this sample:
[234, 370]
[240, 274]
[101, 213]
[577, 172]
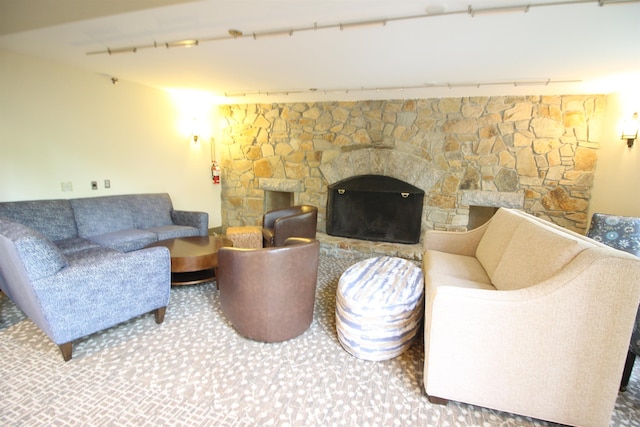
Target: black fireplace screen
[375, 207]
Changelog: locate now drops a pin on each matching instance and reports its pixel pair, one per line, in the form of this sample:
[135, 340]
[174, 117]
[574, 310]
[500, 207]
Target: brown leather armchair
[268, 294]
[295, 221]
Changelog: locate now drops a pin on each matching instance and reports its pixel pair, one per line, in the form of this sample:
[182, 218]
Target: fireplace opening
[277, 200]
[375, 207]
[478, 215]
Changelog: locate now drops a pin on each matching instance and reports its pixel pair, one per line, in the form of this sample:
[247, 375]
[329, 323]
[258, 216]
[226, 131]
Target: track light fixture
[470, 10]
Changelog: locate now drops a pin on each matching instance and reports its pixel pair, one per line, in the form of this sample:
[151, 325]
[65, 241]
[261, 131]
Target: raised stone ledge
[363, 249]
[274, 184]
[492, 199]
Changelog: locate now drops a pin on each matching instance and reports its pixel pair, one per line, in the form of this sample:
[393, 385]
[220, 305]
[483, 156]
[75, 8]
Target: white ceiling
[595, 47]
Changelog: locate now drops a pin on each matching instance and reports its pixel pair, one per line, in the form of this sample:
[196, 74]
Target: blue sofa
[78, 266]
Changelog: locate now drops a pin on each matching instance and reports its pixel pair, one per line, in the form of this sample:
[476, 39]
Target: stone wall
[536, 153]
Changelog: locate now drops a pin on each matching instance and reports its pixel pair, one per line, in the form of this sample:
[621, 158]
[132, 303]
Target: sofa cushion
[40, 257]
[126, 240]
[150, 210]
[174, 231]
[76, 244]
[446, 269]
[53, 218]
[534, 254]
[102, 215]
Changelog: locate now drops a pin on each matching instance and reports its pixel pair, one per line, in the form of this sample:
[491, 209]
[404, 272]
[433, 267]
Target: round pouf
[379, 305]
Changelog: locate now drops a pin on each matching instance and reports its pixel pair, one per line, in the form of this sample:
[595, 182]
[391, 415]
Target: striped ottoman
[379, 305]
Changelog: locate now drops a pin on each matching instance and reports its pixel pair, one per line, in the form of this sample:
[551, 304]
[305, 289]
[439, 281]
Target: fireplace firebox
[375, 207]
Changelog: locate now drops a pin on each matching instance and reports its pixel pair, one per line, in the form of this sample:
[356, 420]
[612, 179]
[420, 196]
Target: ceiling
[438, 50]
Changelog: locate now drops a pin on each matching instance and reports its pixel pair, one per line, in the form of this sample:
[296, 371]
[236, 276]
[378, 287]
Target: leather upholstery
[268, 294]
[623, 233]
[295, 221]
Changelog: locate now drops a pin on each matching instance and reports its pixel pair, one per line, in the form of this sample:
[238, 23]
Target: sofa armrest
[460, 243]
[101, 288]
[199, 220]
[563, 341]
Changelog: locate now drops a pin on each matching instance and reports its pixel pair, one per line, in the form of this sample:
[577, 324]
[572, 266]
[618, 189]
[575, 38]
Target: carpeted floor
[194, 370]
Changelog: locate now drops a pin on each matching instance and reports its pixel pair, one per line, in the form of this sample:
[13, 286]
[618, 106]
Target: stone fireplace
[536, 153]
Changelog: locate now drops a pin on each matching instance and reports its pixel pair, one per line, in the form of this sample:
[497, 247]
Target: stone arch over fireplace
[381, 161]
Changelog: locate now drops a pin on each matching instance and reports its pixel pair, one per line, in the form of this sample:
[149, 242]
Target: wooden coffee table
[193, 259]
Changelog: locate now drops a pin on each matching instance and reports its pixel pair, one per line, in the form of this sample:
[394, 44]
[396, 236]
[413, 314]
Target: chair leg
[437, 400]
[66, 351]
[626, 373]
[159, 313]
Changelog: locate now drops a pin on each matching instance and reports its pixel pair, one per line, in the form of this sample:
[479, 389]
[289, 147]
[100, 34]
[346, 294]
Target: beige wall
[60, 124]
[616, 188]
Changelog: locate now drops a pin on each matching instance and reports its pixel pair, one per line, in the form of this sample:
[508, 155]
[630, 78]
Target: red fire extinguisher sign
[215, 172]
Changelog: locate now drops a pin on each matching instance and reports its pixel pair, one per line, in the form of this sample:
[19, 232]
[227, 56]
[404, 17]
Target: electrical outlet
[107, 183]
[94, 185]
[66, 186]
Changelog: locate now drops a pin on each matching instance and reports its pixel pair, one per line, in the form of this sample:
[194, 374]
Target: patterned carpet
[194, 370]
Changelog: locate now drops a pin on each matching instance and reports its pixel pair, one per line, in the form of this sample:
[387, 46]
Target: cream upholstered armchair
[268, 294]
[526, 317]
[620, 232]
[294, 221]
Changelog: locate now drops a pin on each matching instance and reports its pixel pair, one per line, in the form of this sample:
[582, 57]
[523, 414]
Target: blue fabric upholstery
[101, 288]
[173, 231]
[150, 210]
[53, 218]
[40, 256]
[620, 232]
[74, 295]
[126, 240]
[68, 246]
[77, 266]
[198, 220]
[623, 233]
[102, 215]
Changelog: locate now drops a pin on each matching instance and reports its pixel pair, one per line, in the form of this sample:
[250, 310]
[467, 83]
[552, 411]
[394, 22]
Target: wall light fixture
[195, 130]
[630, 130]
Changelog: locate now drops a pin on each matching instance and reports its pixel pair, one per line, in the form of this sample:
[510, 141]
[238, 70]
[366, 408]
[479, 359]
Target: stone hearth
[534, 153]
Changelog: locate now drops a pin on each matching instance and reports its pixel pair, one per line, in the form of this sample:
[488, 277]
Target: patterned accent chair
[620, 232]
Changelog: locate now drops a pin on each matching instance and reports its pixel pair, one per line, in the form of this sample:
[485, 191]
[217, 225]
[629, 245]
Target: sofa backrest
[495, 239]
[520, 250]
[150, 210]
[102, 215]
[53, 218]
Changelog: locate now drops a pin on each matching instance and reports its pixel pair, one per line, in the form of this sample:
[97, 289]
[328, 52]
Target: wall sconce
[630, 130]
[195, 130]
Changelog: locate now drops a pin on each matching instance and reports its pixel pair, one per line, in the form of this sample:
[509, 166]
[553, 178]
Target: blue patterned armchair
[621, 232]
